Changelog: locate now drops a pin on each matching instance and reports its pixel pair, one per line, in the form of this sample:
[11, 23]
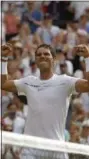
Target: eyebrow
[42, 53]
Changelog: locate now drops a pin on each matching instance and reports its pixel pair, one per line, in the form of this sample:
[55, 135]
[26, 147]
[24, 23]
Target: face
[63, 68]
[82, 39]
[73, 129]
[75, 26]
[44, 59]
[48, 21]
[86, 131]
[33, 67]
[83, 20]
[30, 4]
[25, 29]
[12, 111]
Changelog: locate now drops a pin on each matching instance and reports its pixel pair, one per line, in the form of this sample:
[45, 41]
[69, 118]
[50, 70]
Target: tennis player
[49, 95]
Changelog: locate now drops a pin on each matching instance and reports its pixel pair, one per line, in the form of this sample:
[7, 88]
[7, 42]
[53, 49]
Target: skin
[44, 60]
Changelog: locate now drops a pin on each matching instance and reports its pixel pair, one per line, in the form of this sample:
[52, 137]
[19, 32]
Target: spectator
[21, 113]
[19, 125]
[5, 100]
[17, 51]
[64, 68]
[83, 22]
[8, 151]
[78, 114]
[10, 115]
[85, 101]
[71, 34]
[82, 37]
[27, 39]
[11, 23]
[84, 138]
[77, 5]
[74, 133]
[32, 16]
[61, 59]
[47, 31]
[21, 103]
[62, 12]
[31, 70]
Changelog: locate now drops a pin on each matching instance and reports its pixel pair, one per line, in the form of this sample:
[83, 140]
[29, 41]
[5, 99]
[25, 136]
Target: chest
[46, 94]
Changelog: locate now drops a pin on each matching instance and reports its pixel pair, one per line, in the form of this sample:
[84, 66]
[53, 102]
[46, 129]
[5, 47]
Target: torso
[48, 105]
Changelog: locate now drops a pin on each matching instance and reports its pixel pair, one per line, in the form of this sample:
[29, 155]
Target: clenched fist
[6, 50]
[81, 50]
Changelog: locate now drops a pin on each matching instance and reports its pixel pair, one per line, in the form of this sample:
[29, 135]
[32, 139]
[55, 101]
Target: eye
[38, 54]
[46, 54]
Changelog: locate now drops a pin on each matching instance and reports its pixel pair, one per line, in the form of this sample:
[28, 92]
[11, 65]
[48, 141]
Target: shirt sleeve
[70, 84]
[20, 84]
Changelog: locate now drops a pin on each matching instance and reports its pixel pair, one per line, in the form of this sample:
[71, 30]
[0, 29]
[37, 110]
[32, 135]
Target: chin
[43, 66]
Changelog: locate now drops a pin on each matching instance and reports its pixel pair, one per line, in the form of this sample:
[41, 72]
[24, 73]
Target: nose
[42, 56]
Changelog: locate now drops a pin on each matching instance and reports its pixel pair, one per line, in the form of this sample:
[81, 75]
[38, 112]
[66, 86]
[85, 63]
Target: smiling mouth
[43, 60]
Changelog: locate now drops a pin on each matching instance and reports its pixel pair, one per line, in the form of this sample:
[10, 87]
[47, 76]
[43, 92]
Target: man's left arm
[83, 85]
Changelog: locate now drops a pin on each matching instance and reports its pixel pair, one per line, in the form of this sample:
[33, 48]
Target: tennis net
[29, 147]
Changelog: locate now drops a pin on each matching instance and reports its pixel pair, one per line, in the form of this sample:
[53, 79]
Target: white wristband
[3, 68]
[87, 64]
[4, 58]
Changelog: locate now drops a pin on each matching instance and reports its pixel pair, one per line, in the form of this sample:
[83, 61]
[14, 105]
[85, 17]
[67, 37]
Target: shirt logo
[39, 88]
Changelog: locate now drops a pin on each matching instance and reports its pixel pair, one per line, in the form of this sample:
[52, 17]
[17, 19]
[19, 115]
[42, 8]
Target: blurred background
[62, 24]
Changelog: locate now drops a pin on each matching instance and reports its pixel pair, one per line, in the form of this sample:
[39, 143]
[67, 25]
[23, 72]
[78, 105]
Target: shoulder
[39, 29]
[55, 29]
[62, 77]
[36, 11]
[66, 79]
[59, 78]
[30, 78]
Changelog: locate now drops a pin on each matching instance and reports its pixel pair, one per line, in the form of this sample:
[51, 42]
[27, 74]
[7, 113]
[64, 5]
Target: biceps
[9, 86]
[82, 86]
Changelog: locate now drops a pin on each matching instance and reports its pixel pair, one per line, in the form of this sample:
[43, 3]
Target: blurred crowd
[63, 25]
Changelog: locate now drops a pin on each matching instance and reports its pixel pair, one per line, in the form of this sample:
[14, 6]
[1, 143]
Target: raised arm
[6, 84]
[83, 85]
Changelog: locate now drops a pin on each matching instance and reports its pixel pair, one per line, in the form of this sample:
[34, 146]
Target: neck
[46, 75]
[47, 25]
[31, 9]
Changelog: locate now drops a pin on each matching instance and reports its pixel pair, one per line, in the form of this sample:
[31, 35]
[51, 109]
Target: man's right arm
[6, 84]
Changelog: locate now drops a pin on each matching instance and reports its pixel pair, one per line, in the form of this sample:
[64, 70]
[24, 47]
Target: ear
[53, 60]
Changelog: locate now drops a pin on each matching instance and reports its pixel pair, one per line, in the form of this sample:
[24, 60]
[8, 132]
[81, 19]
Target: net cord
[42, 143]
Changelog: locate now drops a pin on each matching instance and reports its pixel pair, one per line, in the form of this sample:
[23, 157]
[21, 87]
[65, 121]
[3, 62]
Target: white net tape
[42, 143]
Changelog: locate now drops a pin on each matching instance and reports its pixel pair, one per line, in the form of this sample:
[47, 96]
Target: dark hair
[47, 47]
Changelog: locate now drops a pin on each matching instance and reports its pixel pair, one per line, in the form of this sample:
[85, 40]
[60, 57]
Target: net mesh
[29, 147]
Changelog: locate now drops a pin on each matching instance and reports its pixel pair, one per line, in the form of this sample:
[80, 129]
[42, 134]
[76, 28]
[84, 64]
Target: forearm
[87, 68]
[6, 84]
[4, 78]
[3, 74]
[37, 22]
[87, 77]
